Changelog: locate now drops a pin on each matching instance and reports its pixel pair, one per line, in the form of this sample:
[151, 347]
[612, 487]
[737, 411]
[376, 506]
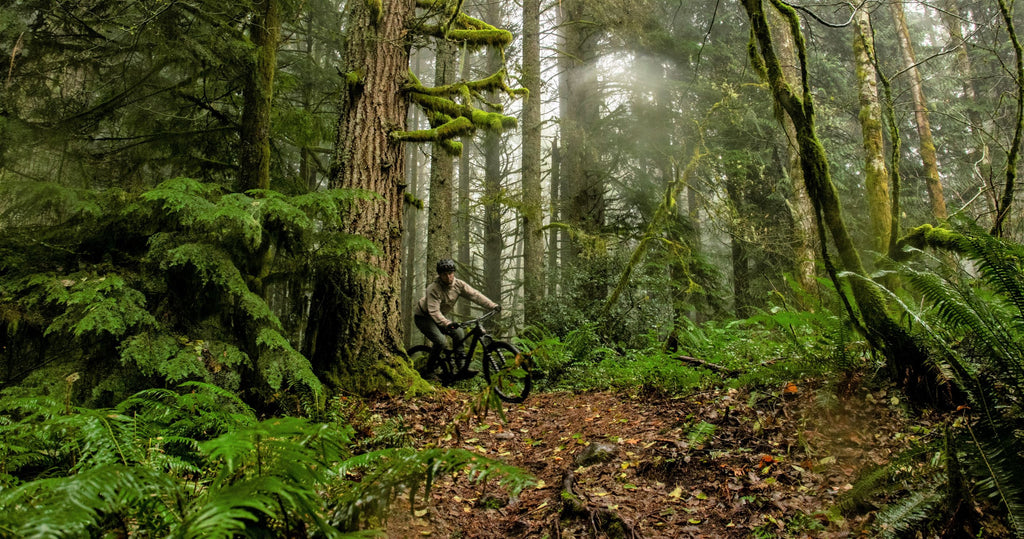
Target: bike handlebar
[483, 317]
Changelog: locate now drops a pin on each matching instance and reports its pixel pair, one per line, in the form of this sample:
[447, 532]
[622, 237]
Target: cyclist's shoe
[466, 374]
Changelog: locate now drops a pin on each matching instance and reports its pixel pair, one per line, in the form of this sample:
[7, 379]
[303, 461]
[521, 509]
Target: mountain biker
[432, 309]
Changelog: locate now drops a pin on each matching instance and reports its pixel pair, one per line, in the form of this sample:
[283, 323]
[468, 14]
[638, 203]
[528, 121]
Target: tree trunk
[554, 248]
[359, 340]
[442, 174]
[876, 174]
[980, 156]
[464, 225]
[581, 176]
[734, 187]
[493, 240]
[257, 98]
[533, 236]
[907, 361]
[924, 129]
[411, 238]
[804, 229]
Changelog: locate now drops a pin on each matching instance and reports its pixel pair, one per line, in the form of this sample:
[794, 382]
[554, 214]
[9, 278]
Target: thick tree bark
[257, 98]
[876, 173]
[924, 128]
[359, 339]
[442, 175]
[533, 236]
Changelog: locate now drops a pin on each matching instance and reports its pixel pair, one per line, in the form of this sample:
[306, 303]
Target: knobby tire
[510, 369]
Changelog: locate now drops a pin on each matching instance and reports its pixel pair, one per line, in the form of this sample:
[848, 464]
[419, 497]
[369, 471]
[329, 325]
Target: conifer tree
[358, 342]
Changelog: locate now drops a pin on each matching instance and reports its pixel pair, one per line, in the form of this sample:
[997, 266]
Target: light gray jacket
[440, 300]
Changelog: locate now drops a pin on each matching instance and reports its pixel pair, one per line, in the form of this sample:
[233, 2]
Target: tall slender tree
[921, 115]
[804, 229]
[532, 214]
[442, 173]
[876, 174]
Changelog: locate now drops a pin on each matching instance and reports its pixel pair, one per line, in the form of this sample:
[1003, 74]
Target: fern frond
[908, 513]
[390, 472]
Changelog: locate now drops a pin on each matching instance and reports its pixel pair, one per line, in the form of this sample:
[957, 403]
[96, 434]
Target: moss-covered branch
[457, 127]
[927, 235]
[450, 107]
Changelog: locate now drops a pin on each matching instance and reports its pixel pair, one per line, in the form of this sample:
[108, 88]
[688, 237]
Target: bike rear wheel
[419, 356]
[510, 371]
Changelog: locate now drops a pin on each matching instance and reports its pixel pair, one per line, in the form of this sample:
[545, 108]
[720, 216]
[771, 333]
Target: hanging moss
[451, 147]
[376, 11]
[456, 128]
[411, 200]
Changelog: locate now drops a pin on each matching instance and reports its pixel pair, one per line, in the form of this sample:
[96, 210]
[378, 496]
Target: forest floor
[720, 463]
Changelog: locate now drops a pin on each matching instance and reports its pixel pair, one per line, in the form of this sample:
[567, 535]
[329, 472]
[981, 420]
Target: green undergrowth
[768, 349]
[198, 462]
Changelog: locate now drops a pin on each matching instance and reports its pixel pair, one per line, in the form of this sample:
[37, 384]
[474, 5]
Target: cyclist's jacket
[440, 300]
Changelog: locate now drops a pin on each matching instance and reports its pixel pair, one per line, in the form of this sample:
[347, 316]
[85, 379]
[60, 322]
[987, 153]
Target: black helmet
[445, 265]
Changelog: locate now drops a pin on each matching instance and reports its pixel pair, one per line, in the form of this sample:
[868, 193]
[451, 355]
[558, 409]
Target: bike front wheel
[508, 371]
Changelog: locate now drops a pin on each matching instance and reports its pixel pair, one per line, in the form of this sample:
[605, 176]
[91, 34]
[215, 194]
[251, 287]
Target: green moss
[376, 11]
[927, 235]
[411, 200]
[457, 127]
[355, 77]
[451, 147]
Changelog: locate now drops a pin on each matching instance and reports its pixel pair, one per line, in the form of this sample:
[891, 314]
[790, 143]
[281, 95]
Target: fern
[897, 519]
[976, 338]
[390, 472]
[196, 463]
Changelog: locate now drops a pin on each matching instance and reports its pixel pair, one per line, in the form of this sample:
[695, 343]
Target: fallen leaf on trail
[676, 493]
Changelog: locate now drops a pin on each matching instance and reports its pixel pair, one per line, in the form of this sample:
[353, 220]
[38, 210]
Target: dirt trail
[713, 464]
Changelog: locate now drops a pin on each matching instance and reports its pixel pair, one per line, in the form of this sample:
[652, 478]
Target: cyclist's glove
[450, 328]
[497, 308]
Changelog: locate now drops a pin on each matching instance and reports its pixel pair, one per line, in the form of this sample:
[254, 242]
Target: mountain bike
[504, 366]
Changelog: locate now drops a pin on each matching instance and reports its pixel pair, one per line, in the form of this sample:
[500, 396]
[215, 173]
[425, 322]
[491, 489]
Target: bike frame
[477, 335]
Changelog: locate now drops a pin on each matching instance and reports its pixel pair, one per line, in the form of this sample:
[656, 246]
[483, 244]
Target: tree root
[601, 520]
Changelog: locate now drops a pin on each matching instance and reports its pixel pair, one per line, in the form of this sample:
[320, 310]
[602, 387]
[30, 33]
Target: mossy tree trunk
[257, 97]
[876, 174]
[532, 220]
[804, 229]
[924, 128]
[442, 174]
[359, 339]
[906, 360]
[494, 243]
[463, 223]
